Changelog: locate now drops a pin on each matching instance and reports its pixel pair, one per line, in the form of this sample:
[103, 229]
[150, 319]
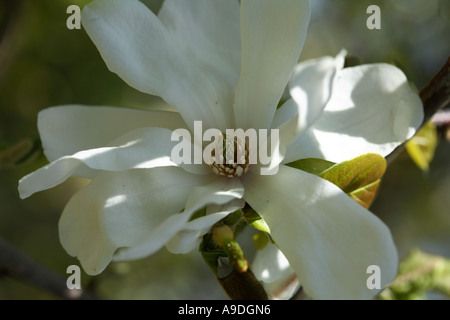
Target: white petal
[312, 84]
[191, 235]
[118, 209]
[270, 264]
[305, 146]
[328, 239]
[372, 109]
[140, 148]
[287, 111]
[219, 192]
[310, 87]
[65, 130]
[273, 33]
[207, 33]
[283, 288]
[137, 46]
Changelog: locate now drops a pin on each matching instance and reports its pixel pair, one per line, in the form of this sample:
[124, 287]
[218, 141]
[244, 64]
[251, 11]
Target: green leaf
[253, 219]
[359, 177]
[233, 218]
[365, 196]
[422, 146]
[312, 165]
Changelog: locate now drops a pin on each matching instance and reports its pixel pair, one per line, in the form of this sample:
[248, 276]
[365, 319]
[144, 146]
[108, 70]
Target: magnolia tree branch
[15, 264]
[436, 94]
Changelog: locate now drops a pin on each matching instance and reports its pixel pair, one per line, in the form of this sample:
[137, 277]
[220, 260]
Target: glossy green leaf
[422, 146]
[365, 196]
[312, 165]
[359, 177]
[253, 219]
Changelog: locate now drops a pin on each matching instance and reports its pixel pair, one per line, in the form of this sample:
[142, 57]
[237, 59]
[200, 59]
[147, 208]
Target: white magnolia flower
[225, 64]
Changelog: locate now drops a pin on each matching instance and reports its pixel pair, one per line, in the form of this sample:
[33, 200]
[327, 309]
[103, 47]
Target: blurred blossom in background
[44, 64]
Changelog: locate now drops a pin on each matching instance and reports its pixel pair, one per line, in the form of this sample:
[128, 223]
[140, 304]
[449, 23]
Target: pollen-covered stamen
[233, 160]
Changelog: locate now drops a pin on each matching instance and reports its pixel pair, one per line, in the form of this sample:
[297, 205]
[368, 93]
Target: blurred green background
[43, 64]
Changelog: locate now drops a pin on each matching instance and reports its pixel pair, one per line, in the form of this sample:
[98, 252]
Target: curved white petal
[273, 33]
[207, 32]
[328, 239]
[310, 88]
[220, 191]
[372, 109]
[305, 146]
[140, 148]
[273, 269]
[138, 47]
[283, 288]
[65, 130]
[189, 238]
[270, 264]
[118, 209]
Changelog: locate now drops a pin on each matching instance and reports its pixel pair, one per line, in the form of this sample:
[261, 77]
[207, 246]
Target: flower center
[233, 158]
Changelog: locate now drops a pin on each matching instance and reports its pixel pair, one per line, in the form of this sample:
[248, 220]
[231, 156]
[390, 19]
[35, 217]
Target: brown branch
[436, 94]
[243, 286]
[17, 265]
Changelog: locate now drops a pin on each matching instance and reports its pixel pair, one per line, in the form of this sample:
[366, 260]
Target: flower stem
[225, 258]
[240, 285]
